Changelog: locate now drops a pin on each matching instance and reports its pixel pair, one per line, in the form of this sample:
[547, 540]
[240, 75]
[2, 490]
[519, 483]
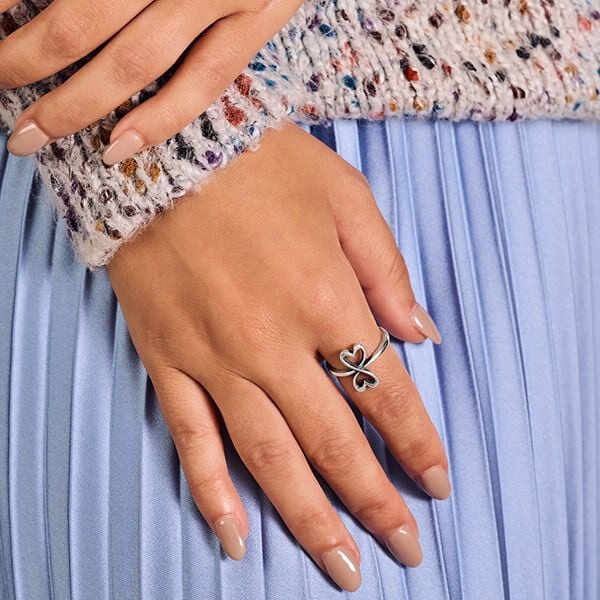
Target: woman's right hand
[232, 299]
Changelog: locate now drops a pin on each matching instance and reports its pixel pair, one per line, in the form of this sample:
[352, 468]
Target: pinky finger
[210, 66]
[192, 421]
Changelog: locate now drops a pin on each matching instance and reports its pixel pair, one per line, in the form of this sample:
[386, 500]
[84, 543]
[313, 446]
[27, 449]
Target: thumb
[371, 249]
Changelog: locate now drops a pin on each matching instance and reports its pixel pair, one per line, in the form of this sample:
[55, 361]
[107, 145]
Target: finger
[63, 33]
[198, 81]
[6, 4]
[135, 57]
[269, 450]
[394, 406]
[334, 443]
[194, 427]
[212, 64]
[371, 249]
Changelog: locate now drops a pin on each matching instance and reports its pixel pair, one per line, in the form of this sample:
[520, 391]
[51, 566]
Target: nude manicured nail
[425, 324]
[342, 569]
[436, 483]
[125, 146]
[27, 139]
[404, 545]
[230, 535]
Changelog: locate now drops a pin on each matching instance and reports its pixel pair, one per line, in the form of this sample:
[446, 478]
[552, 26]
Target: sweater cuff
[103, 207]
[452, 60]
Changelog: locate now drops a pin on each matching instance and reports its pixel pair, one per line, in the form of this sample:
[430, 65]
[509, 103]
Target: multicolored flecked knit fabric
[479, 59]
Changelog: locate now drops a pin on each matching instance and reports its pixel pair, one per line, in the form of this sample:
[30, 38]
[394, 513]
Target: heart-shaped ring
[357, 363]
[358, 367]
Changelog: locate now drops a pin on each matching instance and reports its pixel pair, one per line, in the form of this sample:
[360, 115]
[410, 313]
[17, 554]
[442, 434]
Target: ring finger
[394, 406]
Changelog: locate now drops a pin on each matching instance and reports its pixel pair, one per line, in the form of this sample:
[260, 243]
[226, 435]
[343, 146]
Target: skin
[143, 39]
[233, 298]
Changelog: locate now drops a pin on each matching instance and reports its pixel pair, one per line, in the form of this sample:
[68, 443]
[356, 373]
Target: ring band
[363, 378]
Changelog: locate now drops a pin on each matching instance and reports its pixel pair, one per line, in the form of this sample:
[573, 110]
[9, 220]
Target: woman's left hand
[145, 38]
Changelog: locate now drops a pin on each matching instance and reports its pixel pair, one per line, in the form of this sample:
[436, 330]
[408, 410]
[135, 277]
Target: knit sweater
[463, 59]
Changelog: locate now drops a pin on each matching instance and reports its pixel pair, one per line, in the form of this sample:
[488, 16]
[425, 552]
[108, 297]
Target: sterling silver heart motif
[368, 379]
[357, 364]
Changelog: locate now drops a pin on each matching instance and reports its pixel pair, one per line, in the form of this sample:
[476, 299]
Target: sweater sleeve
[103, 207]
[465, 59]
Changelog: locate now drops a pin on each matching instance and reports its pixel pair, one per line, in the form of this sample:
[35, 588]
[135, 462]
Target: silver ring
[363, 378]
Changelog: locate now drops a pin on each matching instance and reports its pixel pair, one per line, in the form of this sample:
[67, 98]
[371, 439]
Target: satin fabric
[500, 227]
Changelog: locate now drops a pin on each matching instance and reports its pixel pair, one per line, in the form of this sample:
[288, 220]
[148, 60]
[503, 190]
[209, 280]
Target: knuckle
[171, 118]
[58, 116]
[156, 345]
[353, 197]
[206, 487]
[327, 297]
[191, 439]
[400, 396]
[396, 267]
[420, 445]
[256, 6]
[360, 183]
[312, 518]
[272, 457]
[131, 64]
[372, 507]
[356, 186]
[335, 455]
[14, 73]
[332, 302]
[213, 71]
[67, 36]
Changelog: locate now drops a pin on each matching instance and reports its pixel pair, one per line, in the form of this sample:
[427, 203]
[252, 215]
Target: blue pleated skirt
[500, 227]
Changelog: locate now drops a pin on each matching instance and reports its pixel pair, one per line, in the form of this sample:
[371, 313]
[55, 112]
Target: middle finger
[269, 450]
[333, 441]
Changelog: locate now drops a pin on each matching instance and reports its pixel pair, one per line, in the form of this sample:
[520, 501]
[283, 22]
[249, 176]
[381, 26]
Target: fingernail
[27, 139]
[436, 483]
[425, 324]
[404, 545]
[229, 533]
[342, 569]
[125, 146]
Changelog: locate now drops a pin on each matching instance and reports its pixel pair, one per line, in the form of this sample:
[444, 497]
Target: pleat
[159, 501]
[519, 212]
[90, 441]
[24, 329]
[128, 397]
[556, 234]
[587, 364]
[499, 225]
[590, 156]
[8, 273]
[28, 422]
[572, 195]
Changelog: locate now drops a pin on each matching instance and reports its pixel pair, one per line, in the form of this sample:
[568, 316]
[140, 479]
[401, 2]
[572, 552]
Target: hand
[147, 37]
[233, 297]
